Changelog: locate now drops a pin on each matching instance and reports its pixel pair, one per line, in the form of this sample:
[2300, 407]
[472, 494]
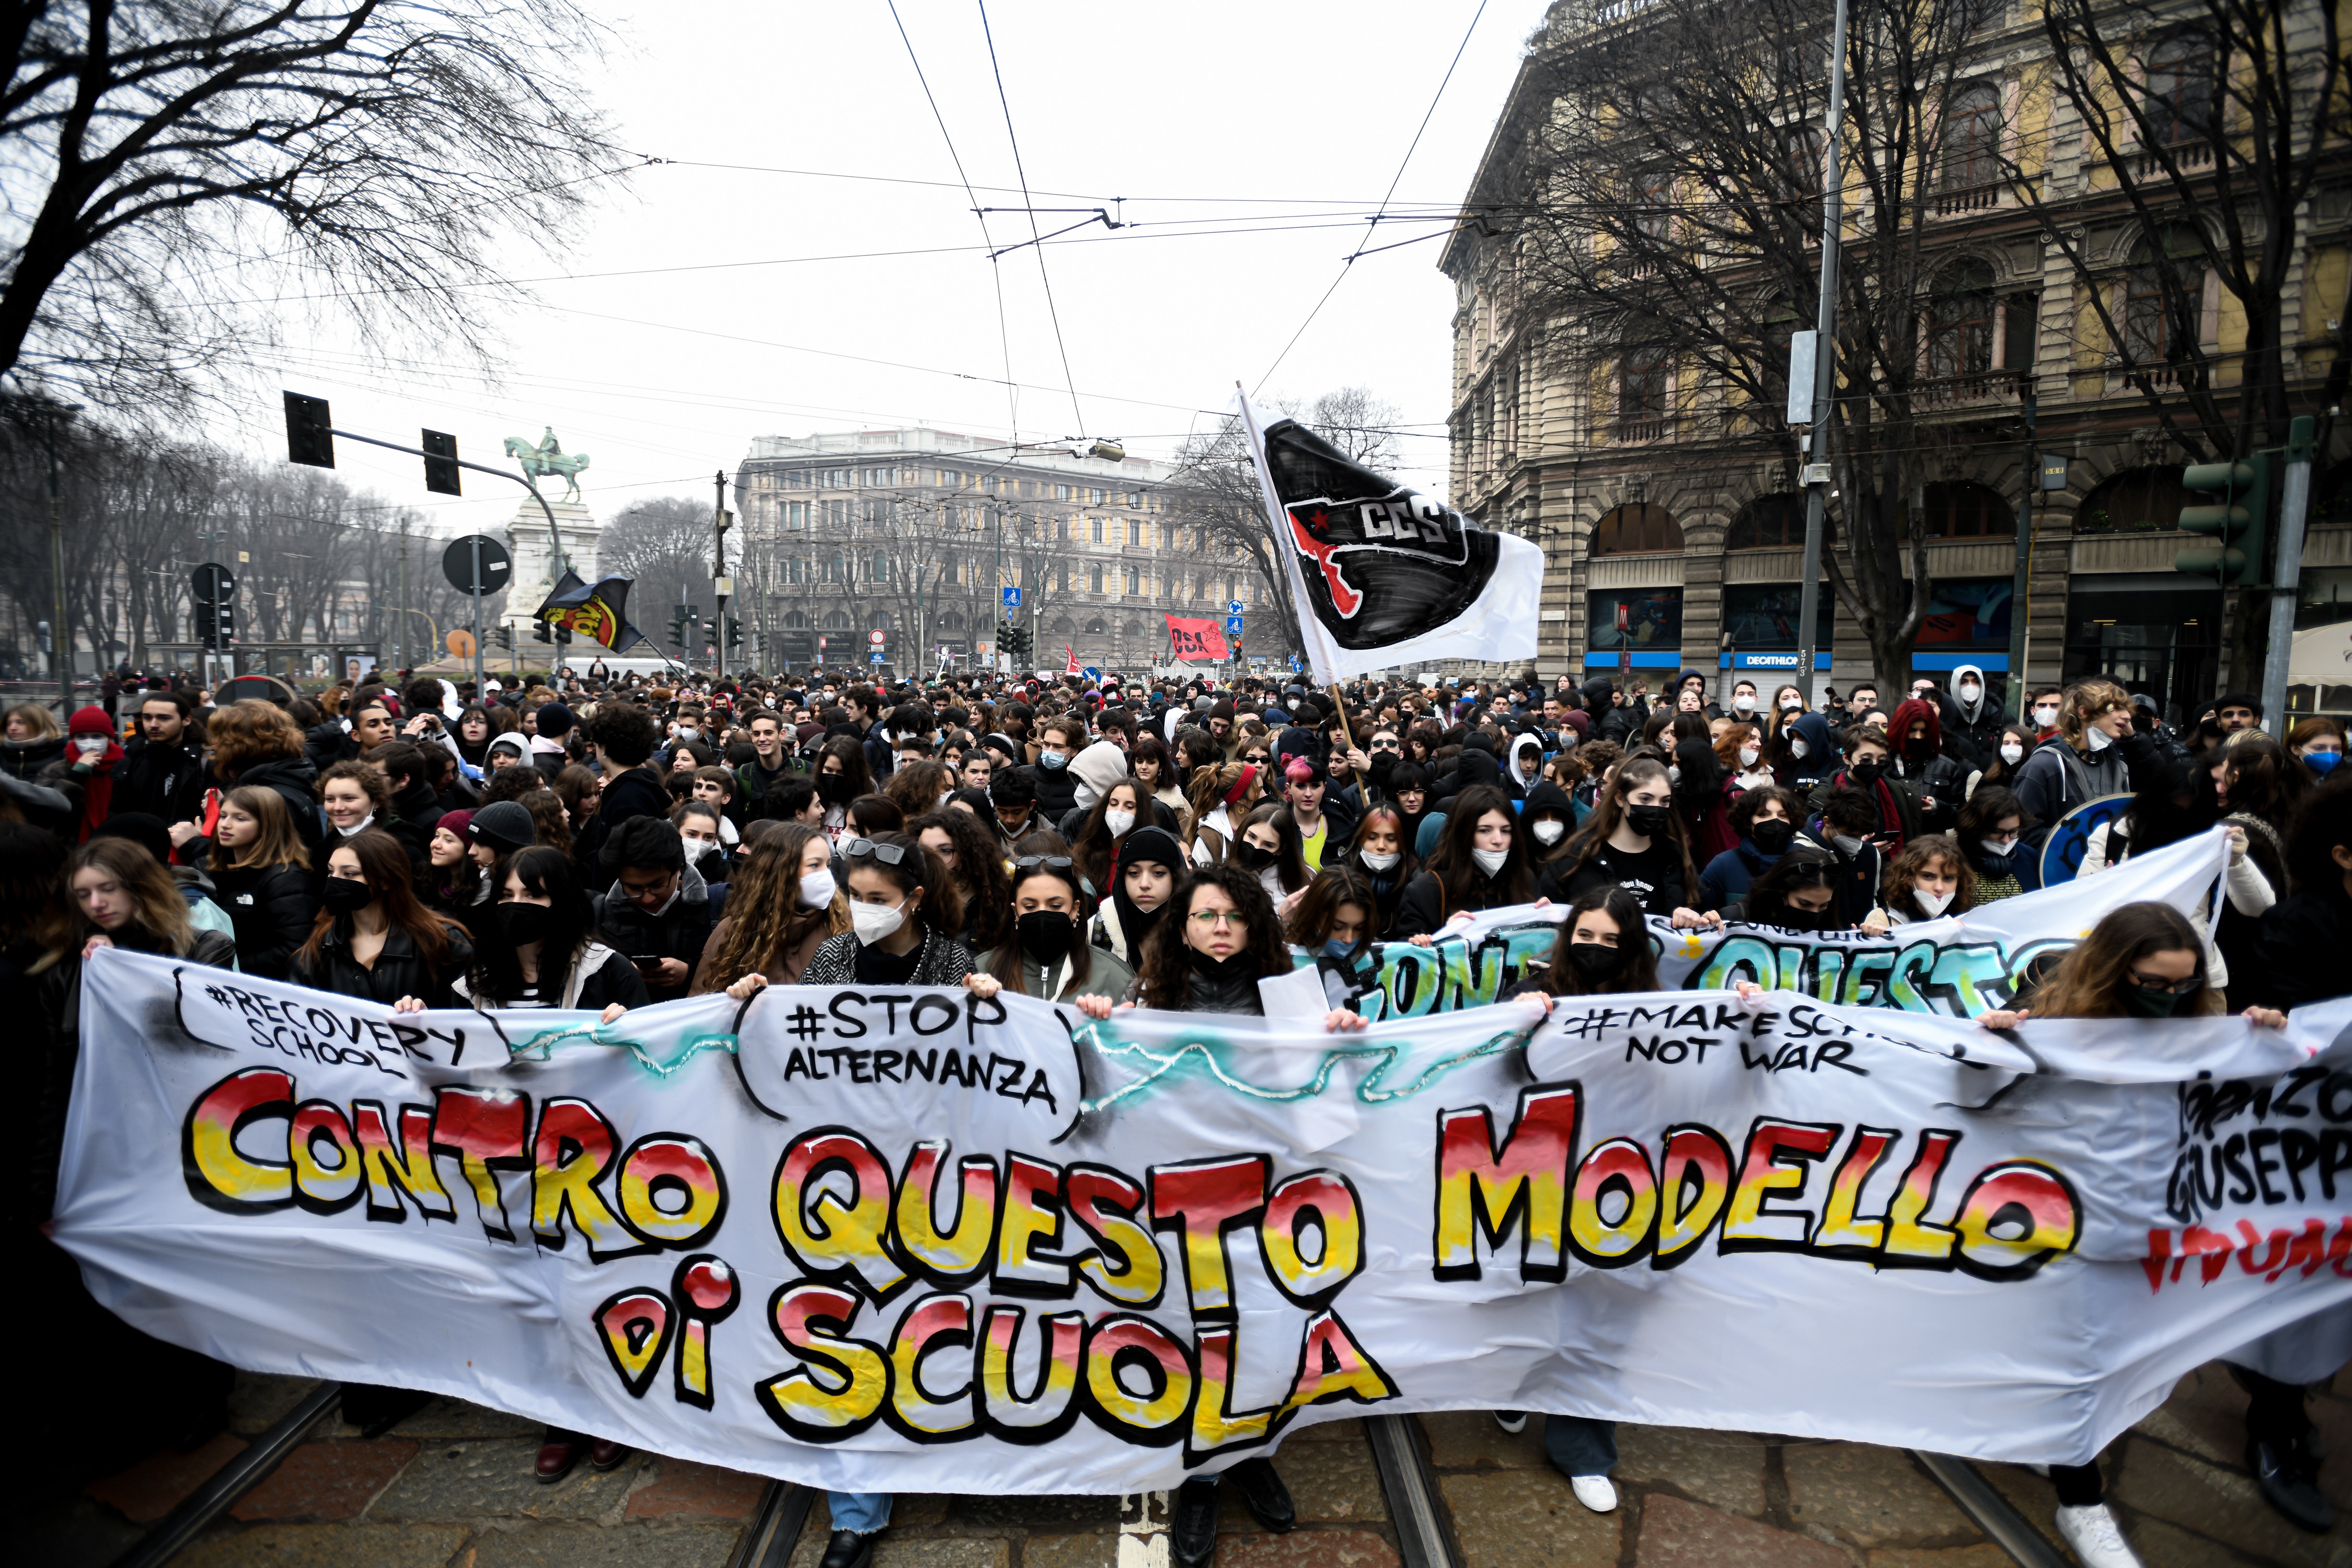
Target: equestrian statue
[549, 458]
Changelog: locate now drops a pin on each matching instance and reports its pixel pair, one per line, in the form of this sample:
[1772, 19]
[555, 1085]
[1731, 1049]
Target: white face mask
[2099, 738]
[1490, 861]
[695, 849]
[686, 731]
[1748, 755]
[2011, 753]
[89, 745]
[1380, 862]
[2000, 847]
[877, 923]
[1847, 844]
[1970, 692]
[1675, 774]
[1796, 747]
[1745, 702]
[1791, 705]
[1549, 833]
[2046, 717]
[817, 887]
[1934, 903]
[1119, 822]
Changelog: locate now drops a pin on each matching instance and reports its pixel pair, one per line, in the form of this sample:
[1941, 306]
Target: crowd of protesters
[604, 843]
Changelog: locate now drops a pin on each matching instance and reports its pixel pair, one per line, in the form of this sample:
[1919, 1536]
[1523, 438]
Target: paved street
[451, 1488]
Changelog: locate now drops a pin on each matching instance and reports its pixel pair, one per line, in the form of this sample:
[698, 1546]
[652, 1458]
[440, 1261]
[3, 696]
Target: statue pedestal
[527, 542]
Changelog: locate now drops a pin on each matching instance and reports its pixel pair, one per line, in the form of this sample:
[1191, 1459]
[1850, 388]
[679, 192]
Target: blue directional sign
[1234, 624]
[874, 658]
[1011, 598]
[1233, 607]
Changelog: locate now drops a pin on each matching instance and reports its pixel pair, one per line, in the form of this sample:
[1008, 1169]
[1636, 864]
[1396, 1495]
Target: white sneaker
[2092, 1531]
[1599, 1493]
[1512, 1421]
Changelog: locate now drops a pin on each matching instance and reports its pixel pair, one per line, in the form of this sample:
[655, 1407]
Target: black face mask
[1867, 773]
[1595, 960]
[2143, 1001]
[1238, 965]
[1773, 835]
[526, 923]
[1046, 934]
[1252, 857]
[344, 896]
[1649, 821]
[833, 789]
[1795, 919]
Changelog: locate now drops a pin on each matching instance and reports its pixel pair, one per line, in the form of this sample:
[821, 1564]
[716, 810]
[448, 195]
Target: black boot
[2286, 1476]
[1263, 1495]
[848, 1549]
[1192, 1541]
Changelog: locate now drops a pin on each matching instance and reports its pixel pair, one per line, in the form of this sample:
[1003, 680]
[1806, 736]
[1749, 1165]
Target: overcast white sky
[1256, 116]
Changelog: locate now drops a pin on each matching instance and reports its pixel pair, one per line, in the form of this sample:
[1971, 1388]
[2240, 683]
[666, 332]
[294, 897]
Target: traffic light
[734, 634]
[2236, 521]
[541, 632]
[677, 627]
[310, 431]
[1013, 640]
[441, 466]
[223, 623]
[504, 636]
[563, 633]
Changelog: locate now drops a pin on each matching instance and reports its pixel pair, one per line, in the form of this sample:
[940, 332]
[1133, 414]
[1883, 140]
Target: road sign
[213, 582]
[1234, 624]
[875, 638]
[1233, 607]
[460, 643]
[1011, 598]
[874, 658]
[458, 565]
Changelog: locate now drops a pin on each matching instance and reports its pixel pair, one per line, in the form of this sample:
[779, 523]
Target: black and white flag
[1383, 577]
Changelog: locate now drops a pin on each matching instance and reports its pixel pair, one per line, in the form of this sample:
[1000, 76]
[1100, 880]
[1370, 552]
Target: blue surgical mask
[1050, 759]
[1336, 948]
[2323, 762]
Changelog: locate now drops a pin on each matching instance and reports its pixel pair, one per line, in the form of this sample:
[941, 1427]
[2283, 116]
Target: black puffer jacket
[26, 758]
[400, 969]
[167, 783]
[1227, 987]
[273, 910]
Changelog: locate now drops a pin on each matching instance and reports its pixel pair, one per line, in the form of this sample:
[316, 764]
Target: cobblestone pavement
[452, 1488]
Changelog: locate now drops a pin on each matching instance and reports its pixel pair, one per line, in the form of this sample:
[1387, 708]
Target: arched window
[794, 621]
[1960, 323]
[1062, 626]
[1972, 138]
[836, 622]
[950, 622]
[2179, 102]
[1636, 530]
[1096, 628]
[1968, 510]
[2163, 297]
[879, 620]
[2137, 500]
[1769, 522]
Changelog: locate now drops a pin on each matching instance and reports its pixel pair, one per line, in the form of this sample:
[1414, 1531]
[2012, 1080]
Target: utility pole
[2020, 587]
[401, 638]
[721, 584]
[2286, 580]
[60, 641]
[1816, 473]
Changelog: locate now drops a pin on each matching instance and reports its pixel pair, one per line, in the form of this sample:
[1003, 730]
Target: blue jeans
[864, 1512]
[1580, 1446]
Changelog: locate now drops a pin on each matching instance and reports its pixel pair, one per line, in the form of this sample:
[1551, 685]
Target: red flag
[1072, 667]
[1196, 640]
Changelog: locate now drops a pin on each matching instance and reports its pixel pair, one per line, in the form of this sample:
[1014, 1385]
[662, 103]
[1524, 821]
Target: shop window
[1636, 530]
[1968, 510]
[1764, 617]
[1769, 522]
[1653, 620]
[2137, 500]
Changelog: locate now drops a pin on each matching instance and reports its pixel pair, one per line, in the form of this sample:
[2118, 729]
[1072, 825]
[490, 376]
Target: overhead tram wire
[1368, 228]
[1036, 241]
[995, 270]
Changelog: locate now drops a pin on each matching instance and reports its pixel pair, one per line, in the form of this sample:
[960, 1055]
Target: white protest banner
[1960, 965]
[903, 1240]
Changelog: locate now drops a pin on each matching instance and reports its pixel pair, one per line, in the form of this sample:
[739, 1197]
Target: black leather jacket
[400, 970]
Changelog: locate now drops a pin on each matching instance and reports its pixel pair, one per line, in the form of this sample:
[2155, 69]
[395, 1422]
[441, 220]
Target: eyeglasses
[1380, 745]
[889, 854]
[1050, 862]
[1208, 920]
[2166, 987]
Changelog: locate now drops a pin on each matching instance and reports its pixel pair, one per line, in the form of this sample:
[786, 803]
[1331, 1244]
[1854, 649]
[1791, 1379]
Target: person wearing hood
[1766, 821]
[658, 910]
[1092, 772]
[1924, 756]
[1971, 717]
[2085, 762]
[87, 770]
[1522, 766]
[1695, 682]
[1547, 816]
[1142, 878]
[1812, 753]
[1475, 768]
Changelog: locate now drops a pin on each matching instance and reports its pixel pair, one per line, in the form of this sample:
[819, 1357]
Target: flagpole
[1320, 667]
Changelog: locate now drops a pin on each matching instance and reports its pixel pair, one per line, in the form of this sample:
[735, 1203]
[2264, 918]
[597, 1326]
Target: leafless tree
[1660, 232]
[170, 163]
[663, 545]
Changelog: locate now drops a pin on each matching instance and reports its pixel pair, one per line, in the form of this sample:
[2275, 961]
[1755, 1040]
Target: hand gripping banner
[1383, 577]
[900, 1240]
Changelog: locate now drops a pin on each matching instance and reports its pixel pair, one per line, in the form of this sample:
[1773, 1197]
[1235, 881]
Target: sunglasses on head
[1049, 862]
[889, 854]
